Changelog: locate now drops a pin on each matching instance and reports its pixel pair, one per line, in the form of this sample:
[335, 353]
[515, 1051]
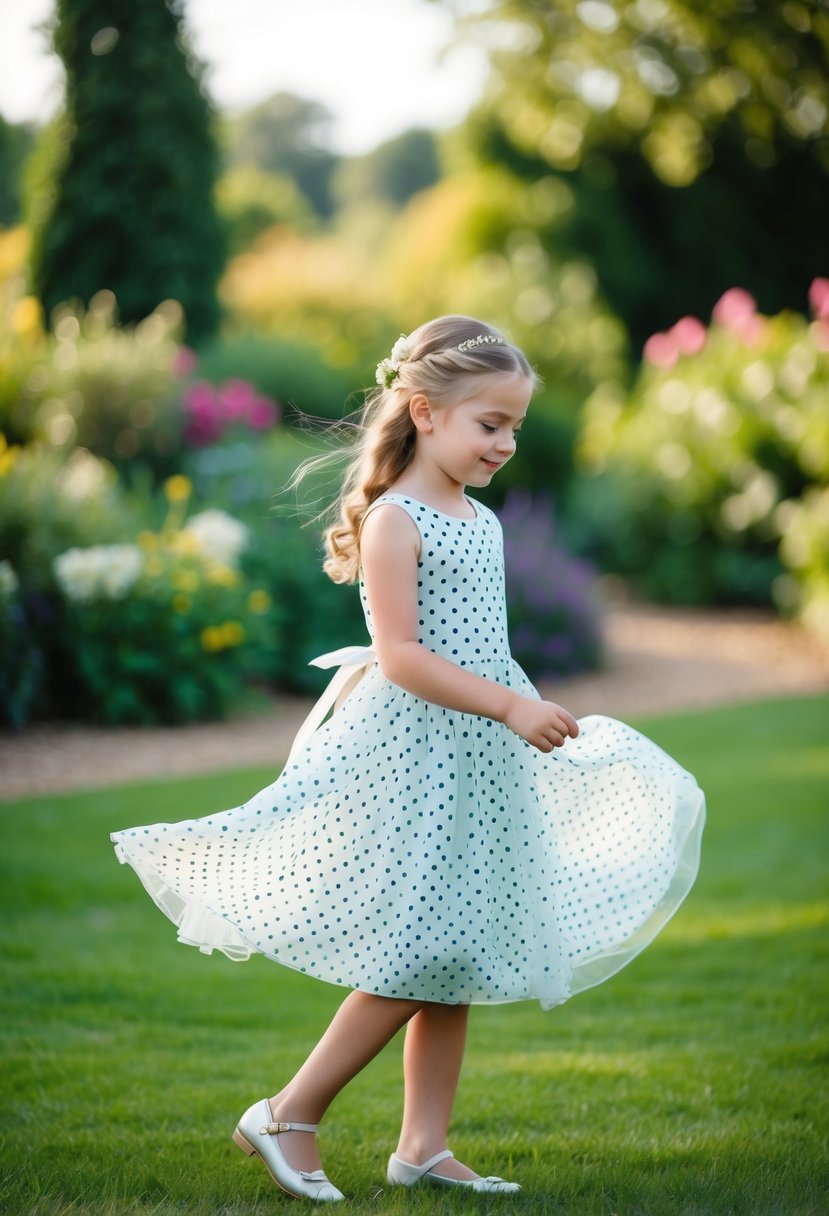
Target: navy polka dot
[416, 852]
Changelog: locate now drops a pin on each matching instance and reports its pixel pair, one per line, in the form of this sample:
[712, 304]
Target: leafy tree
[251, 201]
[15, 144]
[132, 205]
[287, 135]
[394, 171]
[692, 134]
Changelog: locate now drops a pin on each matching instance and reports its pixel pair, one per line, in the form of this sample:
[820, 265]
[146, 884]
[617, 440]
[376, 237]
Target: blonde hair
[435, 366]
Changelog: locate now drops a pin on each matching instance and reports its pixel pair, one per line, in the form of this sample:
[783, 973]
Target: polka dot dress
[417, 852]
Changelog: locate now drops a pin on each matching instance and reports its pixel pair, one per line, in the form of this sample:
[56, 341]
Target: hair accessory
[389, 369]
[481, 340]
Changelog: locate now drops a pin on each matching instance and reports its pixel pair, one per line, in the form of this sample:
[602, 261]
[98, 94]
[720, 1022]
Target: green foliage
[391, 172]
[164, 636]
[50, 501]
[251, 201]
[132, 210]
[16, 141]
[661, 78]
[163, 628]
[107, 389]
[692, 1084]
[21, 662]
[291, 371]
[287, 135]
[54, 500]
[711, 460]
[310, 614]
[693, 142]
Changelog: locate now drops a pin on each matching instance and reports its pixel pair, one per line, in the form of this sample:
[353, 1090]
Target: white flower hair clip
[389, 369]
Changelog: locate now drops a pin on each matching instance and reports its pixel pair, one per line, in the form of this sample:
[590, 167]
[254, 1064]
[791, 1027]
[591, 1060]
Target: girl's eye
[488, 428]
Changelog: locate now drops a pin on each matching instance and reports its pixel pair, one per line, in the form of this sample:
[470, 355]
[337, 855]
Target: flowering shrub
[210, 411]
[709, 481]
[161, 630]
[21, 663]
[107, 389]
[551, 604]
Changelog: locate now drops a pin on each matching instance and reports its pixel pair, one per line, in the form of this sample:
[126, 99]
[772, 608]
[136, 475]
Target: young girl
[446, 838]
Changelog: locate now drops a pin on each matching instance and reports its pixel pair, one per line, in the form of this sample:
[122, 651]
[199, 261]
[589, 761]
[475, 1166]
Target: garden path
[658, 660]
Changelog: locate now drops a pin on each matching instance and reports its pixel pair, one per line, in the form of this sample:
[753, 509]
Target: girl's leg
[432, 1058]
[360, 1028]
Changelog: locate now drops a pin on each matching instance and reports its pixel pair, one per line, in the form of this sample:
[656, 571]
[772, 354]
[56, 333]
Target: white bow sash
[353, 661]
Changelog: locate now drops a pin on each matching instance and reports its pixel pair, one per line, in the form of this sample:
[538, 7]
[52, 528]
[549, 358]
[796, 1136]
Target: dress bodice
[460, 586]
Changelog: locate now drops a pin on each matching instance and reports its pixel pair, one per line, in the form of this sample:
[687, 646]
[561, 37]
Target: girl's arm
[389, 550]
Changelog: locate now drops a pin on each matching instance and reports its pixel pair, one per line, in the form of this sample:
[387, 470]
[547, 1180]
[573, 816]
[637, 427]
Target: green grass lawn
[694, 1082]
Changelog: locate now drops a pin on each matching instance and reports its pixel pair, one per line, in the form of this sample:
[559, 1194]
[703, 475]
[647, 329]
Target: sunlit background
[215, 219]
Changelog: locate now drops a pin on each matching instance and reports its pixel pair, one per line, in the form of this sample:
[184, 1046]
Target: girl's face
[471, 439]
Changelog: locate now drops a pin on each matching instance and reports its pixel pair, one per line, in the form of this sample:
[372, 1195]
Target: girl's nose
[506, 442]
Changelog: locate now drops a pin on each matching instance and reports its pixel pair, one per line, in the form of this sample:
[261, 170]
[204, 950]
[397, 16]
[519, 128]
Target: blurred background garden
[192, 296]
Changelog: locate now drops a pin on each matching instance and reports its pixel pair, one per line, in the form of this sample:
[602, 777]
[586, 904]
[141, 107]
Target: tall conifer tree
[133, 208]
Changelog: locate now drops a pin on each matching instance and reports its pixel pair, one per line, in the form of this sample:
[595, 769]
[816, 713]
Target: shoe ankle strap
[274, 1129]
[433, 1161]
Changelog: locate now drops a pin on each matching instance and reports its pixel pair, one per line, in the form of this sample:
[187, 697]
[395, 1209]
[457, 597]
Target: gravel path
[658, 661]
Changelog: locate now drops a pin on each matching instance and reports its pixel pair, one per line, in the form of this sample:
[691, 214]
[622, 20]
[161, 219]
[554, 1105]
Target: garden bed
[659, 660]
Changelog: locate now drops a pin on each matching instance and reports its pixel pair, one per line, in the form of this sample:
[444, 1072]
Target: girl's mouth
[491, 464]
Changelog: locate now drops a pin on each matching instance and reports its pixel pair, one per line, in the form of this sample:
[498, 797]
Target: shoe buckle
[273, 1129]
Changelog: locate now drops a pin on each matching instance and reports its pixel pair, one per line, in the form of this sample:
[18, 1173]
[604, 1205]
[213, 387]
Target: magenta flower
[819, 299]
[736, 311]
[661, 350]
[688, 335]
[262, 414]
[210, 410]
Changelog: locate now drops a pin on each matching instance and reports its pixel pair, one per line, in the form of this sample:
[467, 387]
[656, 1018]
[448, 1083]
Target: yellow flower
[178, 488]
[8, 455]
[211, 638]
[181, 603]
[26, 316]
[184, 542]
[186, 580]
[153, 567]
[233, 633]
[148, 541]
[222, 576]
[259, 602]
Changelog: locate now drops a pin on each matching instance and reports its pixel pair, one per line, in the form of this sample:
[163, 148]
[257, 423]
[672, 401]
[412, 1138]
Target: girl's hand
[542, 723]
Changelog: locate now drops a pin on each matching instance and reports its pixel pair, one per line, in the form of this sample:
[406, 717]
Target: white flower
[389, 369]
[8, 580]
[106, 572]
[219, 535]
[387, 372]
[400, 350]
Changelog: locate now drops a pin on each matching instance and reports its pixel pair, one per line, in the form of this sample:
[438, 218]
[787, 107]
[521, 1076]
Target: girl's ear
[421, 413]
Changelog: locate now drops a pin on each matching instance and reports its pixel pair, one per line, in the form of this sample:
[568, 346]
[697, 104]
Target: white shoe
[256, 1134]
[402, 1173]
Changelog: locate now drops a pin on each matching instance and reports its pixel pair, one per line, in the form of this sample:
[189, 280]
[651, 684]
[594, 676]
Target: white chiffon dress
[416, 852]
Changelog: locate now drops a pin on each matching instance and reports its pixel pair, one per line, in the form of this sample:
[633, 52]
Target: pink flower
[204, 423]
[736, 311]
[821, 328]
[661, 350]
[819, 299]
[184, 361]
[262, 414]
[688, 335]
[236, 398]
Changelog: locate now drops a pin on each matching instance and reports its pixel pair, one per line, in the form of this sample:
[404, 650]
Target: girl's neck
[449, 498]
